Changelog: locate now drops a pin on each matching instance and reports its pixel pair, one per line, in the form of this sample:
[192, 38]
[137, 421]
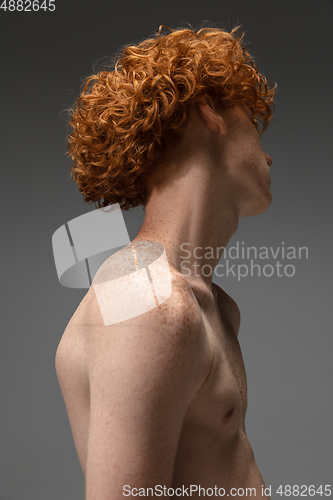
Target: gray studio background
[286, 331]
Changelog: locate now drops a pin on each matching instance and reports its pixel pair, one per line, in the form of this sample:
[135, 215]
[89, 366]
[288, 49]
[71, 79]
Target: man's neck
[194, 219]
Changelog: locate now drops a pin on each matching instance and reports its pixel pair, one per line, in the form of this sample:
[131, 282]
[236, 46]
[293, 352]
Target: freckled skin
[162, 399]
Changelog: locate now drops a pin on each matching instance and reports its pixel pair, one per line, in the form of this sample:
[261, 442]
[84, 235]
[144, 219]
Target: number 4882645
[27, 5]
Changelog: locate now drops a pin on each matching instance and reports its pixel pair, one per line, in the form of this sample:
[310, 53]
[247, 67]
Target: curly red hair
[126, 120]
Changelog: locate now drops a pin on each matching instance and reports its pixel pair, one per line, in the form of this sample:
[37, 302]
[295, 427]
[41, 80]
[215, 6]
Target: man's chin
[257, 208]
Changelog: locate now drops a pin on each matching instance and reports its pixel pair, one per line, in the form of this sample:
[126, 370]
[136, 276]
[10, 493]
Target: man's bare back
[213, 450]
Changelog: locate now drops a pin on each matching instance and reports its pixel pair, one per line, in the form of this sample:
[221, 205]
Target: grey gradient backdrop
[286, 329]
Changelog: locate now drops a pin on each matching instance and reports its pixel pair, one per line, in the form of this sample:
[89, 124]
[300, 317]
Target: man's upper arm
[143, 374]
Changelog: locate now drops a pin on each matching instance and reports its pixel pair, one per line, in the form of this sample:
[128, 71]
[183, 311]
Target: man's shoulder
[179, 307]
[170, 337]
[171, 334]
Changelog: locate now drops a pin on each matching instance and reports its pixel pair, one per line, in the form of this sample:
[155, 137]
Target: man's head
[127, 120]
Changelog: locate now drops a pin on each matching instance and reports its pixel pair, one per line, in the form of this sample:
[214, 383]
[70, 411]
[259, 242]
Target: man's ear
[213, 120]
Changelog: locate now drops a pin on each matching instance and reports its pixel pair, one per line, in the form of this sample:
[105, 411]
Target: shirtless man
[159, 400]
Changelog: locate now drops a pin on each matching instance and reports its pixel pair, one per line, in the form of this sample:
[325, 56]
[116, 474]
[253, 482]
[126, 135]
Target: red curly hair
[126, 120]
